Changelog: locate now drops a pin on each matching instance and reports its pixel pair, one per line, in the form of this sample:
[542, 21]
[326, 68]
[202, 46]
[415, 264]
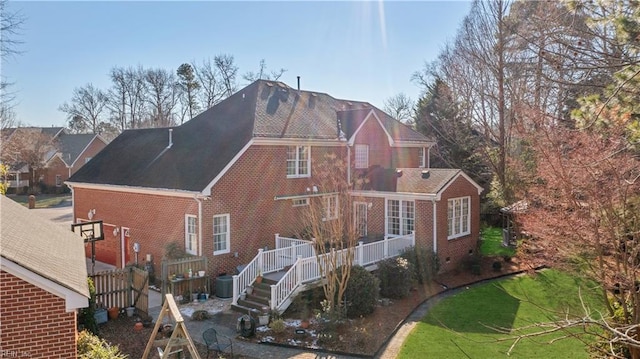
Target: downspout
[199, 200]
[348, 163]
[435, 228]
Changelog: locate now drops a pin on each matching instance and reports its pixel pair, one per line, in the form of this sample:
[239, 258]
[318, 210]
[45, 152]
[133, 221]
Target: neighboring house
[45, 156]
[224, 183]
[43, 277]
[73, 152]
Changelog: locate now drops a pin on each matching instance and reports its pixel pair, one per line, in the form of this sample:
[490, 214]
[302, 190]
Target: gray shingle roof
[71, 145]
[42, 246]
[412, 180]
[203, 146]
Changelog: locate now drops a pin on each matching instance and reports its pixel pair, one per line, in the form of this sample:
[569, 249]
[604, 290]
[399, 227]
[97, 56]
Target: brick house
[73, 151]
[225, 182]
[43, 280]
[46, 156]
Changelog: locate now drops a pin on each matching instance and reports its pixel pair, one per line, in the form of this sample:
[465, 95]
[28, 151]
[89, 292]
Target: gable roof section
[432, 180]
[71, 146]
[207, 144]
[200, 149]
[42, 247]
[353, 119]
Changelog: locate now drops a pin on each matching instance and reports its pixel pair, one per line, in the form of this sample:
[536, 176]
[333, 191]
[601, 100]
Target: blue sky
[363, 51]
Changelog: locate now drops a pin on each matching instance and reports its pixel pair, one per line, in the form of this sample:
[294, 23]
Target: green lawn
[42, 200]
[461, 326]
[491, 244]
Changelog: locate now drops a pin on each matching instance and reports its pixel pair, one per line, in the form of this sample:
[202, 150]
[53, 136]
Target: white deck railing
[307, 268]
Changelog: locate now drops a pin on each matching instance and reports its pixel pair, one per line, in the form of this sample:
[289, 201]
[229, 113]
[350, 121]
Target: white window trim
[297, 161]
[363, 158]
[228, 234]
[186, 234]
[400, 217]
[300, 202]
[327, 203]
[423, 159]
[459, 219]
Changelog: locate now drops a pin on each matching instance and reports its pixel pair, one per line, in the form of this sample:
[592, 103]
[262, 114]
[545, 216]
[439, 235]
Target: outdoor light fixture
[91, 213]
[116, 230]
[315, 189]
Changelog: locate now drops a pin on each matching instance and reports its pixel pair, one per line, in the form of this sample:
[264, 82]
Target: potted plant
[259, 277]
[113, 313]
[249, 290]
[263, 317]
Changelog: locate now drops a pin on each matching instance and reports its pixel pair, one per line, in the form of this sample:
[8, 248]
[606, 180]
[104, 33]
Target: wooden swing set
[179, 337]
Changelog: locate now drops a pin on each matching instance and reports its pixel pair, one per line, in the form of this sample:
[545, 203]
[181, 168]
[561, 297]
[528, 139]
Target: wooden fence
[176, 280]
[122, 288]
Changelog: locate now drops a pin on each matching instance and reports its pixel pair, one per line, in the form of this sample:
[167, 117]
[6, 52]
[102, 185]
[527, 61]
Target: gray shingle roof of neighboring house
[70, 146]
[203, 146]
[42, 247]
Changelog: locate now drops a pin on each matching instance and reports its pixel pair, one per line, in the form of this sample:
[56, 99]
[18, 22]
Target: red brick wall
[153, 221]
[246, 193]
[457, 249]
[405, 157]
[33, 322]
[56, 167]
[379, 150]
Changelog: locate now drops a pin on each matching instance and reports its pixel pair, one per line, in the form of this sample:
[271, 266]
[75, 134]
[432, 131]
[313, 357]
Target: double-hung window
[422, 158]
[362, 156]
[400, 217]
[221, 234]
[58, 181]
[190, 235]
[330, 207]
[298, 161]
[458, 216]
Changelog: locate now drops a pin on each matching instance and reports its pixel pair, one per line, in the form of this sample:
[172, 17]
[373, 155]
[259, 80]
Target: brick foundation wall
[33, 322]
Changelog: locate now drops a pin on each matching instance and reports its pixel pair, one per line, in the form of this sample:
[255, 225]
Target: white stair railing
[305, 267]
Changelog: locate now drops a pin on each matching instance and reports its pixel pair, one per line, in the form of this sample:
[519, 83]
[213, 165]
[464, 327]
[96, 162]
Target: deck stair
[293, 267]
[258, 300]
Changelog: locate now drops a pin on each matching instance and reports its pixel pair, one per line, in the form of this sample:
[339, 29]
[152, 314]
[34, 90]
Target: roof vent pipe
[170, 138]
[298, 83]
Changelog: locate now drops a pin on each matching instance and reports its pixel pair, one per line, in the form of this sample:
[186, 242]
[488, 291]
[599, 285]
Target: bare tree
[400, 107]
[228, 73]
[10, 24]
[118, 99]
[86, 109]
[329, 221]
[218, 79]
[136, 94]
[262, 73]
[162, 97]
[28, 146]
